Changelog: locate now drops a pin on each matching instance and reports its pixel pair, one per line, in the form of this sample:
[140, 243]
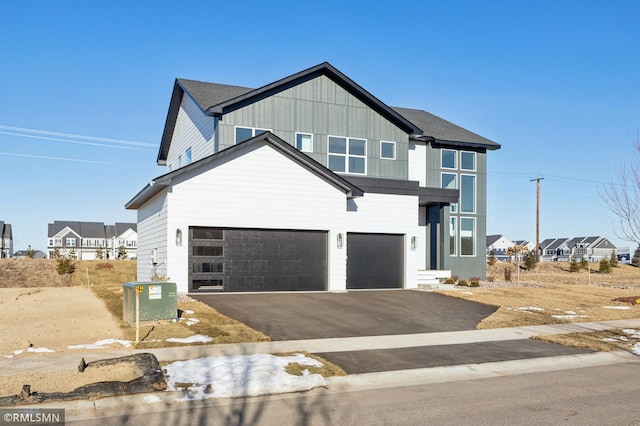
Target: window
[388, 150]
[468, 161]
[450, 181]
[51, 242]
[449, 159]
[179, 161]
[208, 234]
[304, 142]
[188, 157]
[453, 237]
[207, 251]
[467, 236]
[347, 155]
[467, 193]
[244, 133]
[71, 242]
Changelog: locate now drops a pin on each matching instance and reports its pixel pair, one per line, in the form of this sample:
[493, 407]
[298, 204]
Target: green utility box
[158, 300]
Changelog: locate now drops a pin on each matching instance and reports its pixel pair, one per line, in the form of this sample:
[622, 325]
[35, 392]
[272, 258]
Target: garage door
[230, 260]
[375, 261]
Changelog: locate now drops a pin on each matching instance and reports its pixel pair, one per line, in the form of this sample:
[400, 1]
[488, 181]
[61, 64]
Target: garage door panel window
[467, 236]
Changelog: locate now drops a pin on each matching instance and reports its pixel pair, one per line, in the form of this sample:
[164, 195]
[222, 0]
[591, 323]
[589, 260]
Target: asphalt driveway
[298, 316]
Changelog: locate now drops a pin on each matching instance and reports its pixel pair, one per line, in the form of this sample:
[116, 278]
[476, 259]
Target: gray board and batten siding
[322, 108]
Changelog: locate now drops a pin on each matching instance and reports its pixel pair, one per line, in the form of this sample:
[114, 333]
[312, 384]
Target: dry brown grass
[328, 369]
[556, 295]
[603, 341]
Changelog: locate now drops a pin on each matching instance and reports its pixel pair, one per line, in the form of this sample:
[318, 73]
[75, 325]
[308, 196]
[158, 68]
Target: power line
[71, 135]
[77, 160]
[75, 142]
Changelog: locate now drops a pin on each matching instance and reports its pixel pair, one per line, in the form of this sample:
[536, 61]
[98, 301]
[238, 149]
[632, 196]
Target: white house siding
[259, 188]
[418, 162]
[390, 214]
[193, 130]
[152, 234]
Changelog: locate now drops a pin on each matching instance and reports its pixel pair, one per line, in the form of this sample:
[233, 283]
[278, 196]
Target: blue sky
[555, 82]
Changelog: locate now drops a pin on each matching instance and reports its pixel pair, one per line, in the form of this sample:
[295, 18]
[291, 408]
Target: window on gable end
[304, 142]
[388, 150]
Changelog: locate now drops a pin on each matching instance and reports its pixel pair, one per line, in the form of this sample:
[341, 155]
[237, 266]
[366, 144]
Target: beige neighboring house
[86, 238]
[6, 240]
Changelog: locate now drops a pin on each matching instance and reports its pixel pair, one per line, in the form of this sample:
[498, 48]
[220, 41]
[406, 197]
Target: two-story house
[85, 239]
[309, 183]
[6, 240]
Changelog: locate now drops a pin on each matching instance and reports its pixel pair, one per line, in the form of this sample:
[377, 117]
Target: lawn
[194, 317]
[550, 294]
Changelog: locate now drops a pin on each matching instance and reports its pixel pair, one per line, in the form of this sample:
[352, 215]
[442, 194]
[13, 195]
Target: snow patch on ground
[39, 350]
[241, 375]
[152, 399]
[197, 338]
[530, 308]
[102, 344]
[622, 308]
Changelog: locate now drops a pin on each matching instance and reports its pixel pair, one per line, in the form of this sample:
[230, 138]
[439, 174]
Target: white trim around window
[468, 189]
[464, 158]
[304, 142]
[248, 133]
[468, 232]
[387, 150]
[446, 155]
[347, 155]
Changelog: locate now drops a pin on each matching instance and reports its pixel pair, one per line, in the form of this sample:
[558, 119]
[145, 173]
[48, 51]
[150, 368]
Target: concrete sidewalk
[70, 360]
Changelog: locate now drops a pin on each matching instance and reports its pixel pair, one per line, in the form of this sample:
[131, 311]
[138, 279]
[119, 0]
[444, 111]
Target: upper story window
[50, 242]
[449, 159]
[71, 242]
[244, 133]
[188, 156]
[304, 142]
[468, 161]
[467, 193]
[388, 150]
[450, 181]
[347, 155]
[179, 161]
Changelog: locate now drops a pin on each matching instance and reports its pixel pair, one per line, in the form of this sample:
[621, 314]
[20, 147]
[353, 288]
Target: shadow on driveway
[298, 316]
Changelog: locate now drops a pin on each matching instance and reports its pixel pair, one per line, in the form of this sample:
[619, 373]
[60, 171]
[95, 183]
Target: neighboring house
[594, 249]
[530, 246]
[37, 254]
[85, 238]
[552, 248]
[499, 244]
[309, 183]
[6, 240]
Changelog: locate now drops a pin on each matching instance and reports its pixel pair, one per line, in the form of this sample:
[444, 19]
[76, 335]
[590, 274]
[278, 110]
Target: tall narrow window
[467, 193]
[450, 181]
[467, 236]
[188, 157]
[453, 237]
[304, 142]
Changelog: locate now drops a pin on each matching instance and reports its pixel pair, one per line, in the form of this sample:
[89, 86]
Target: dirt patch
[65, 381]
[632, 300]
[34, 319]
[31, 273]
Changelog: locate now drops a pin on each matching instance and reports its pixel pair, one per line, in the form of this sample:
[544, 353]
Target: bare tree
[622, 195]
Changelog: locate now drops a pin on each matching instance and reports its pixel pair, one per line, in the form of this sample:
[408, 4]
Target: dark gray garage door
[375, 261]
[230, 260]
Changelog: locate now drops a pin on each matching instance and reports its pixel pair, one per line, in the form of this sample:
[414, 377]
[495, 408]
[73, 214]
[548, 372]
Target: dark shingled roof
[217, 99]
[444, 131]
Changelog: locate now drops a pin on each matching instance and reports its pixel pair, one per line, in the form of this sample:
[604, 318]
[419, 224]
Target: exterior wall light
[414, 243]
[178, 237]
[340, 240]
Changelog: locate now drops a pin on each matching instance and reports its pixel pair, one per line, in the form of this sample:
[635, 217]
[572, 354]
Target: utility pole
[538, 179]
